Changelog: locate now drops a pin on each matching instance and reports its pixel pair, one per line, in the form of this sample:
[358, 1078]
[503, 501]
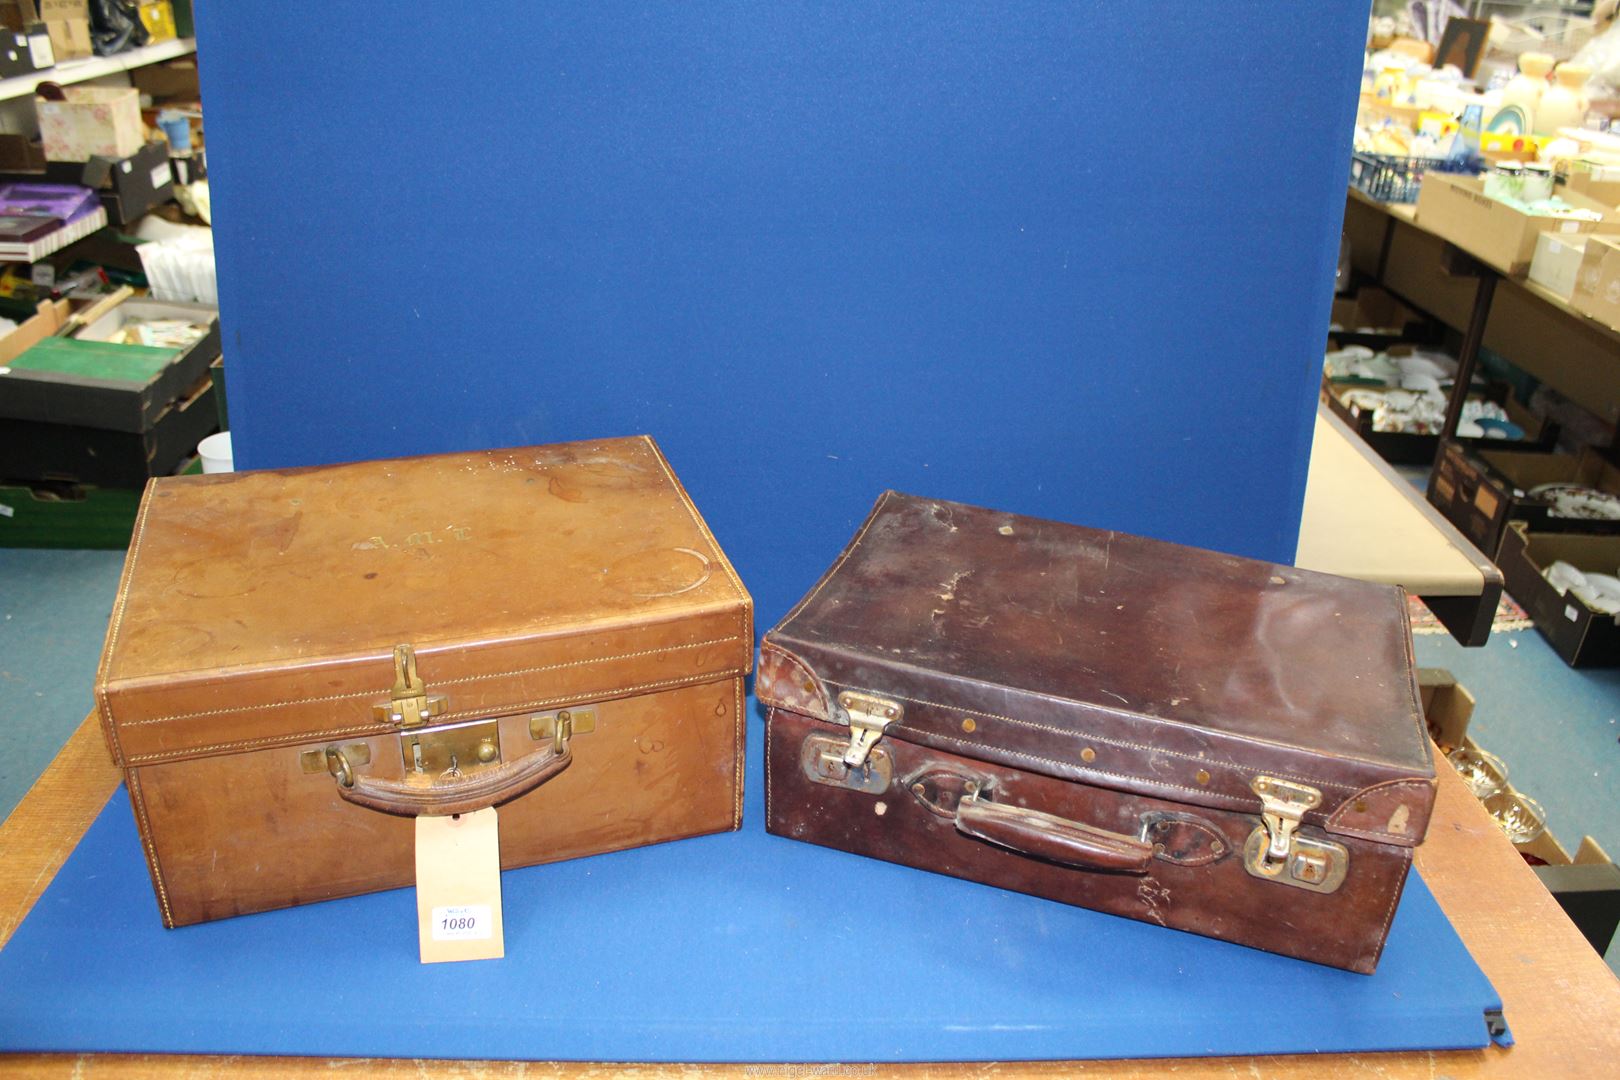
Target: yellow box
[158, 18]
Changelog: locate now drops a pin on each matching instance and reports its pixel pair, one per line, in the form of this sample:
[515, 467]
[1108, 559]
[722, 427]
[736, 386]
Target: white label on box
[1570, 226]
[465, 922]
[1570, 613]
[40, 51]
[6, 511]
[128, 165]
[161, 174]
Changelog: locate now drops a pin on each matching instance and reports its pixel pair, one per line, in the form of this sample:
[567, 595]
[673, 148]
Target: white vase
[1525, 89]
[1564, 104]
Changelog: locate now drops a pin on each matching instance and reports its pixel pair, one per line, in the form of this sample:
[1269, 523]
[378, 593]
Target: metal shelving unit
[77, 71]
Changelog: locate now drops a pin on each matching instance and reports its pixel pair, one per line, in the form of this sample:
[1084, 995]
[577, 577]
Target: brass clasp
[410, 705]
[561, 726]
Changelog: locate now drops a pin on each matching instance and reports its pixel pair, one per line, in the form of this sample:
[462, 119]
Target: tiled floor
[1556, 728]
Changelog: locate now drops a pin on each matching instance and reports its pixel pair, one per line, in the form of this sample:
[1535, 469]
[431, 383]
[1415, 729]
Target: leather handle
[463, 795]
[1047, 836]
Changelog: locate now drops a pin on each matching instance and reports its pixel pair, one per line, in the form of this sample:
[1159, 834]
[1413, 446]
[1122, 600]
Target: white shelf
[76, 71]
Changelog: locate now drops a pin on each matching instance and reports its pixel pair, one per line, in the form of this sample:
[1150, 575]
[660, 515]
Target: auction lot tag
[458, 887]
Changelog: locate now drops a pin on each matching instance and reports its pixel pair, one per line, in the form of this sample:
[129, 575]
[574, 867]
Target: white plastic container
[215, 452]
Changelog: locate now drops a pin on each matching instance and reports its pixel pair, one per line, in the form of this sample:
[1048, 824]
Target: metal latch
[1278, 852]
[866, 716]
[822, 761]
[562, 726]
[410, 704]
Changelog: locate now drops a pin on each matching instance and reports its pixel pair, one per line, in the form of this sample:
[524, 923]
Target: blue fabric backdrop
[1072, 260]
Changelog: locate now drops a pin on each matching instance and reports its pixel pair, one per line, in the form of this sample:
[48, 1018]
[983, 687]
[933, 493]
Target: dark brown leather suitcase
[1205, 742]
[300, 661]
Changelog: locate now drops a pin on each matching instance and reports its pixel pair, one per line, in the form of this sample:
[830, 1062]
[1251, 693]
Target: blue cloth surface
[736, 947]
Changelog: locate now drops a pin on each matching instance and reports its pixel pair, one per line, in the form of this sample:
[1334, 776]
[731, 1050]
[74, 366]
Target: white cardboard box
[94, 121]
[1557, 262]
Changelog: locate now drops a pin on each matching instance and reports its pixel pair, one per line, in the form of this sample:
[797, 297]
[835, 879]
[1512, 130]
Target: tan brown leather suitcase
[300, 661]
[1205, 742]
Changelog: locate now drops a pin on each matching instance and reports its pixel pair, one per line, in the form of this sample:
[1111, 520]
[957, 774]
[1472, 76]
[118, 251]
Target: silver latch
[1282, 805]
[867, 717]
[1277, 852]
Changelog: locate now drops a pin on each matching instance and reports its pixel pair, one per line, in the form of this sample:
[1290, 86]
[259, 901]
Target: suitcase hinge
[410, 704]
[1278, 852]
[867, 717]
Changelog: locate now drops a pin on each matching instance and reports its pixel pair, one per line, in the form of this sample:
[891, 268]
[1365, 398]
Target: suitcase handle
[483, 788]
[1047, 836]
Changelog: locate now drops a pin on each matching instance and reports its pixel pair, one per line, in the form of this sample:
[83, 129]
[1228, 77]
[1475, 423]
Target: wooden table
[1562, 1002]
[1534, 328]
[1361, 520]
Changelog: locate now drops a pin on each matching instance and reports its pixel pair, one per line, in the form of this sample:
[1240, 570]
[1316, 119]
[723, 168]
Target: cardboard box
[1600, 183]
[1557, 262]
[68, 24]
[92, 383]
[23, 53]
[1447, 707]
[66, 516]
[1456, 209]
[94, 121]
[174, 81]
[1588, 889]
[1374, 317]
[129, 187]
[1582, 636]
[1597, 285]
[33, 451]
[1480, 491]
[1404, 448]
[47, 319]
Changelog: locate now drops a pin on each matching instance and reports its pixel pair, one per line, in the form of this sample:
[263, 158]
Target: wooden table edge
[1562, 1001]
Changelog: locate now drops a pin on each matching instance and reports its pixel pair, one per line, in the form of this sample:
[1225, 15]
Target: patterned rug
[1509, 616]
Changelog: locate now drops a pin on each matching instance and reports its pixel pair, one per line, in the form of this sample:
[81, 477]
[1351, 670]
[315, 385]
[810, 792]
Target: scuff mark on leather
[1152, 894]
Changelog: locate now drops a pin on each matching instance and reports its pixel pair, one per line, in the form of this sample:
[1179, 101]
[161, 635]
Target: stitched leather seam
[272, 740]
[590, 695]
[1332, 785]
[1395, 839]
[375, 729]
[437, 682]
[582, 663]
[118, 611]
[139, 800]
[1067, 734]
[1344, 808]
[1394, 898]
[737, 754]
[770, 722]
[842, 558]
[1121, 713]
[1070, 765]
[1421, 721]
[697, 519]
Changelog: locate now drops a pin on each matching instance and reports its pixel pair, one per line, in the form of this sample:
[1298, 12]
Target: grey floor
[1556, 728]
